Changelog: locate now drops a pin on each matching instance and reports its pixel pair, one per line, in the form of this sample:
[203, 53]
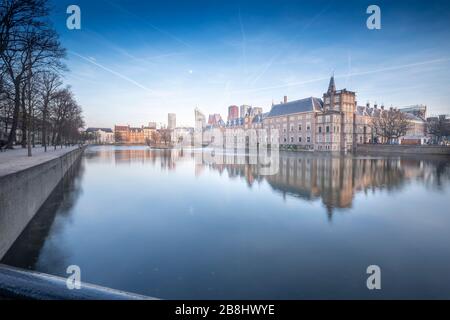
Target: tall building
[233, 113]
[336, 121]
[171, 121]
[245, 110]
[200, 120]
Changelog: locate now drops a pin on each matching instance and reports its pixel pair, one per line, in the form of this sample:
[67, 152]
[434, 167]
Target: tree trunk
[29, 142]
[44, 127]
[24, 127]
[12, 133]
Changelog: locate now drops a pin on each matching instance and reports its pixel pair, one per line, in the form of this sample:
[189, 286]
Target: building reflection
[333, 179]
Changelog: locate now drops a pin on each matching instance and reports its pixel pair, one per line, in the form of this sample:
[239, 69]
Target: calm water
[171, 225]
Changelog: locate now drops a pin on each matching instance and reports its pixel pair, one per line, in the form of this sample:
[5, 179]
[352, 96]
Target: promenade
[16, 160]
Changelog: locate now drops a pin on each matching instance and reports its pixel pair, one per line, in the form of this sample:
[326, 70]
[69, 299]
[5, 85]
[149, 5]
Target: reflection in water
[192, 224]
[333, 178]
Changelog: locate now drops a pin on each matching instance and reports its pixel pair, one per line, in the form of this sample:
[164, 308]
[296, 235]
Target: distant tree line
[33, 99]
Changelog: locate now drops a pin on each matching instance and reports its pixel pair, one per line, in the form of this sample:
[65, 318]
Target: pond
[172, 225]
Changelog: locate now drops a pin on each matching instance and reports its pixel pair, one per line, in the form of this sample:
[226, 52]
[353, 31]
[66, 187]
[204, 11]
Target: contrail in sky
[292, 84]
[112, 71]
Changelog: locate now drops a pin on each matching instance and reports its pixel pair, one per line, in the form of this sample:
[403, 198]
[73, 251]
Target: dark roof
[235, 122]
[303, 105]
[97, 129]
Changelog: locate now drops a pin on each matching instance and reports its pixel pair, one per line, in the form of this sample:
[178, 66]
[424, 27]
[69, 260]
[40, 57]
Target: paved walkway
[16, 160]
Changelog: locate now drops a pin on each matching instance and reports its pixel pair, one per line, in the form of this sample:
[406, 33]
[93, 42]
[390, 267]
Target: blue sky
[134, 61]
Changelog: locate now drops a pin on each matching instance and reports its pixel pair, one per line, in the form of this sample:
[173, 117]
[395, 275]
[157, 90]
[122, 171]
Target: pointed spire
[332, 86]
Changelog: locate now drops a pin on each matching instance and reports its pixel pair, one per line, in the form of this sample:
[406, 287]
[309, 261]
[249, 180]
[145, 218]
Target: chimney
[382, 107]
[368, 104]
[285, 99]
[375, 105]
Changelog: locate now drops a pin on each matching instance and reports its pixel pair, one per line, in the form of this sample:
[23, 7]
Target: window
[308, 139]
[292, 139]
[292, 128]
[320, 129]
[300, 127]
[284, 140]
[299, 139]
[328, 129]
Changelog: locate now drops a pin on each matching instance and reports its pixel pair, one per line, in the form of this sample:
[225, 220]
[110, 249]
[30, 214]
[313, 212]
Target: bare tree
[390, 125]
[51, 81]
[67, 118]
[165, 135]
[28, 45]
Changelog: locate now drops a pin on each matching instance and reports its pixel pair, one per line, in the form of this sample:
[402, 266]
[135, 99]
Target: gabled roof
[303, 105]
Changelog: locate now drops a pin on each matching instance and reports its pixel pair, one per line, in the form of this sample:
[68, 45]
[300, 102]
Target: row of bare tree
[393, 124]
[390, 125]
[33, 98]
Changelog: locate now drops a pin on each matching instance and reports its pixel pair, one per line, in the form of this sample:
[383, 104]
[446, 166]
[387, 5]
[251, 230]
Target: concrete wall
[402, 149]
[23, 193]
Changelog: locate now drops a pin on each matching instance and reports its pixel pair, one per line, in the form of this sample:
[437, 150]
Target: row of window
[308, 128]
[327, 129]
[308, 139]
[291, 118]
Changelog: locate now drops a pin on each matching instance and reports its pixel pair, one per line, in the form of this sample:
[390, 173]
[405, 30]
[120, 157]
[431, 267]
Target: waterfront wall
[23, 193]
[402, 149]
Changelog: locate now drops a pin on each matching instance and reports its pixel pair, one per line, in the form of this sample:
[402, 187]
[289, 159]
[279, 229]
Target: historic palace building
[333, 123]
